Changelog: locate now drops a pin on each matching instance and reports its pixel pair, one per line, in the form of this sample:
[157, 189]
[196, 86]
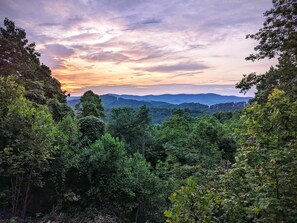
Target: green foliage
[265, 170]
[107, 178]
[282, 77]
[121, 123]
[204, 141]
[149, 198]
[193, 203]
[276, 38]
[278, 35]
[92, 169]
[144, 121]
[205, 152]
[131, 126]
[9, 92]
[90, 105]
[72, 165]
[70, 142]
[261, 185]
[196, 148]
[176, 128]
[90, 112]
[28, 134]
[91, 128]
[69, 133]
[19, 59]
[89, 181]
[263, 175]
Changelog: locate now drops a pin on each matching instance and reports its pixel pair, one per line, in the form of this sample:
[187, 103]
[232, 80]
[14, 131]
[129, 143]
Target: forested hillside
[207, 99]
[59, 164]
[160, 111]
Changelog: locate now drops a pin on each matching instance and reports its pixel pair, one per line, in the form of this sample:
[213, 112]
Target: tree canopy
[277, 37]
[19, 59]
[90, 104]
[260, 185]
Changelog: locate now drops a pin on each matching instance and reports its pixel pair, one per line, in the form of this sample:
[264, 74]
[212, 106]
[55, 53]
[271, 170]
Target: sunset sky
[143, 46]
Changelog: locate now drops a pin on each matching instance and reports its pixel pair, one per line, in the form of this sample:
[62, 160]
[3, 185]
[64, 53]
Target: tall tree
[277, 38]
[264, 169]
[90, 104]
[91, 128]
[262, 184]
[27, 143]
[19, 59]
[278, 35]
[144, 122]
[90, 112]
[131, 126]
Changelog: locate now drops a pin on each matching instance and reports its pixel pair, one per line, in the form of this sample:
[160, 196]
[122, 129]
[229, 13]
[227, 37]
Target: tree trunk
[143, 149]
[26, 197]
[13, 195]
[136, 217]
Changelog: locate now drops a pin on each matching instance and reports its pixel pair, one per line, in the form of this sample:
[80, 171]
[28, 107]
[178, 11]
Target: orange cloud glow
[141, 44]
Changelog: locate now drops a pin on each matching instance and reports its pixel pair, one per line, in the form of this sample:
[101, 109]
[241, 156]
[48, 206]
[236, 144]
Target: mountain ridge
[161, 110]
[205, 98]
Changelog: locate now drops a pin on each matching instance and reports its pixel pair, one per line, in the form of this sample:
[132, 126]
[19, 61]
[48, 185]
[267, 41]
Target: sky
[143, 46]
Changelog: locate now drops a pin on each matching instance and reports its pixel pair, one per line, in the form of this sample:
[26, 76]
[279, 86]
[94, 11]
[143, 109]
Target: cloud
[58, 50]
[151, 21]
[175, 67]
[143, 24]
[189, 74]
[40, 38]
[83, 37]
[138, 50]
[52, 62]
[106, 56]
[140, 74]
[50, 24]
[83, 47]
[54, 55]
[73, 22]
[151, 37]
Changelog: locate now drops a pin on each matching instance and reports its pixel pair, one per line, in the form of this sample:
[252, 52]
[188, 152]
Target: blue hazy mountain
[205, 99]
[110, 101]
[161, 110]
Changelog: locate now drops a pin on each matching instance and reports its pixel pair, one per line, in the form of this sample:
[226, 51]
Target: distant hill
[206, 99]
[110, 101]
[161, 110]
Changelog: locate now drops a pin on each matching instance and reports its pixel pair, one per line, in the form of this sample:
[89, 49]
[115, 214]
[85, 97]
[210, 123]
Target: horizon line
[163, 94]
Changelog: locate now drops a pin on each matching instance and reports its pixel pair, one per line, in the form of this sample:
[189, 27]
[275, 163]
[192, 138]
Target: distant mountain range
[205, 99]
[161, 106]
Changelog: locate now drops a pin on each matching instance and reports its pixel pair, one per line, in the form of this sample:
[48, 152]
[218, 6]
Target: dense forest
[59, 164]
[160, 111]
